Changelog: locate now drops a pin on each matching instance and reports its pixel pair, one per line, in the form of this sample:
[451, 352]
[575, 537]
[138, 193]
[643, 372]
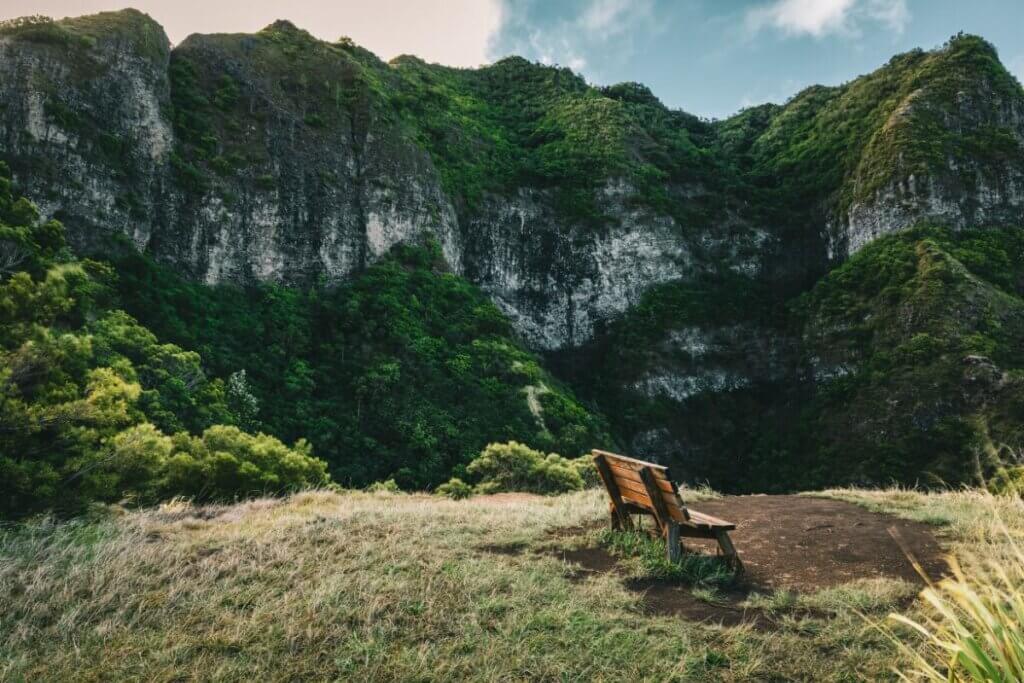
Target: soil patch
[589, 560]
[798, 543]
[805, 544]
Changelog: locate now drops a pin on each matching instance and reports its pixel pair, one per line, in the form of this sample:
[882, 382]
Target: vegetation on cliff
[901, 365]
[739, 372]
[920, 333]
[406, 372]
[94, 408]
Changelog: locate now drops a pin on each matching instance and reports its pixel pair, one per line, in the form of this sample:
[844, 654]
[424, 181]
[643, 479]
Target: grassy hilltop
[409, 587]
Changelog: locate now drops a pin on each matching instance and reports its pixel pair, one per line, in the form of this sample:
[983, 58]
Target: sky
[709, 57]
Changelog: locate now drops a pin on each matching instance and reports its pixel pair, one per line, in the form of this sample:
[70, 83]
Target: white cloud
[605, 18]
[892, 13]
[582, 35]
[819, 18]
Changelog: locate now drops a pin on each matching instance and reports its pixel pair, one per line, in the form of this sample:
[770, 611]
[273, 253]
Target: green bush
[514, 467]
[585, 467]
[93, 408]
[455, 488]
[386, 486]
[1008, 481]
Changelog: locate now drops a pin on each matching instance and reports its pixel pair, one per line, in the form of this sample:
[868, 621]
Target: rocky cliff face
[557, 281]
[580, 211]
[221, 159]
[948, 153]
[84, 121]
[277, 157]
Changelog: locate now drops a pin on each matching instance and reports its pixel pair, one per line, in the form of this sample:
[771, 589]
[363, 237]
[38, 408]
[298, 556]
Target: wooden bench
[638, 487]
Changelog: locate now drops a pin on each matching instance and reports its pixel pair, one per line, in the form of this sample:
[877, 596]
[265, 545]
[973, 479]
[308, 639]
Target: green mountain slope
[94, 409]
[918, 337]
[386, 248]
[407, 372]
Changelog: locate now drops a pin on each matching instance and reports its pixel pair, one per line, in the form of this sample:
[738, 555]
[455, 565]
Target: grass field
[358, 586]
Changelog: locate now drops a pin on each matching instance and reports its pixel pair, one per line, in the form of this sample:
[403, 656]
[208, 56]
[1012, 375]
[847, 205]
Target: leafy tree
[88, 396]
[406, 373]
[514, 467]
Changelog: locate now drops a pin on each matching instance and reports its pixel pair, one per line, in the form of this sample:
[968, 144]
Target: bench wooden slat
[672, 501]
[623, 473]
[631, 463]
[640, 499]
[707, 520]
[631, 486]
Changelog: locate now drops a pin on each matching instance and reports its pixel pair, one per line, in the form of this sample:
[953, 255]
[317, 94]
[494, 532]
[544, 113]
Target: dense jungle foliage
[405, 373]
[94, 408]
[124, 380]
[910, 353]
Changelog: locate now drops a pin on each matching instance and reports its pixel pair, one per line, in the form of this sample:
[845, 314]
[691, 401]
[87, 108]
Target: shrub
[514, 467]
[223, 464]
[455, 488]
[585, 467]
[386, 486]
[1008, 481]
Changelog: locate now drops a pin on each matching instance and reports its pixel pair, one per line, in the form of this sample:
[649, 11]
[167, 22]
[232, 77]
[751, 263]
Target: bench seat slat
[701, 519]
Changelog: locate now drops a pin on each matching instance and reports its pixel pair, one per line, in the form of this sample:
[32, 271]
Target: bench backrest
[633, 481]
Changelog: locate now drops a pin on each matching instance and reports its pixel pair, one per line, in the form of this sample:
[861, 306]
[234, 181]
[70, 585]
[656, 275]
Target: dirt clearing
[796, 543]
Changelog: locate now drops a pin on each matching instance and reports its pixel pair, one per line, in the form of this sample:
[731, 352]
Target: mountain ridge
[578, 210]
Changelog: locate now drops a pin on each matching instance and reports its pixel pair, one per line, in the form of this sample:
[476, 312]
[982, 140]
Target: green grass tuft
[648, 560]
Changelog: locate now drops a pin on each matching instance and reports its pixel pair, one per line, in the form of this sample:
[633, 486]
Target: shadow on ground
[796, 543]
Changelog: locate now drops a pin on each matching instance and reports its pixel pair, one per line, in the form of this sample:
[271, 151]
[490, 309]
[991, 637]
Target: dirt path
[797, 543]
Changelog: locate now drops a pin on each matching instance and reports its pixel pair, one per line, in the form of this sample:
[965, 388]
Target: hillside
[409, 261]
[902, 364]
[406, 372]
[383, 587]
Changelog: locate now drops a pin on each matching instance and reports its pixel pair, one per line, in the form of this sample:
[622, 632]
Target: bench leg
[728, 550]
[673, 547]
[619, 521]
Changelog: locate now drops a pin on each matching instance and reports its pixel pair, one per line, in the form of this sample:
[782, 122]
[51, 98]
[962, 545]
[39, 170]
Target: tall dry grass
[969, 625]
[394, 587]
[972, 628]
